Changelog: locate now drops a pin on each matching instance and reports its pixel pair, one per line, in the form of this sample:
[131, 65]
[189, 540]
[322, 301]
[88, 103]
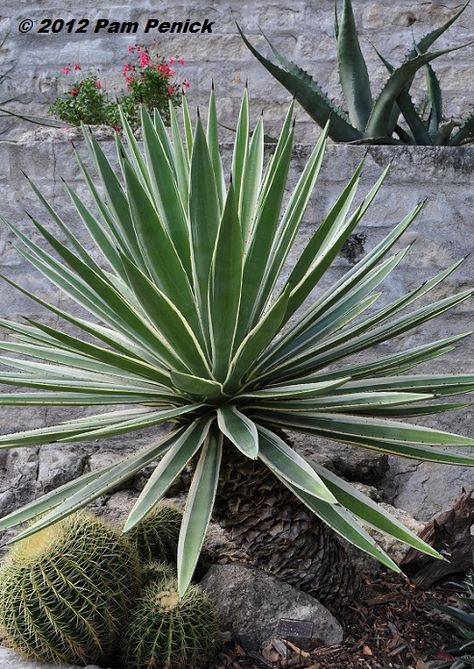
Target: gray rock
[251, 603]
[9, 659]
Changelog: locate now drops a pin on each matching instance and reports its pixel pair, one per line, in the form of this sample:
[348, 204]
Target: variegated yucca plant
[193, 323]
[367, 119]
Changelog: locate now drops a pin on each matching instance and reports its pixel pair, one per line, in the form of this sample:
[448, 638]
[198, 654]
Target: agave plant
[193, 323]
[461, 617]
[370, 120]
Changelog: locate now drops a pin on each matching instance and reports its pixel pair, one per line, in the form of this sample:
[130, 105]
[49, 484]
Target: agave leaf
[353, 70]
[241, 431]
[428, 40]
[198, 510]
[310, 96]
[436, 102]
[465, 132]
[378, 124]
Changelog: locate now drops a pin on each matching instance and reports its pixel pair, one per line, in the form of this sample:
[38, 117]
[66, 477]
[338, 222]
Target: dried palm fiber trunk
[279, 534]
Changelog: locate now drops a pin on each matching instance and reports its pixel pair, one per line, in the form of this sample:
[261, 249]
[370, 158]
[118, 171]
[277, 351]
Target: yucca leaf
[370, 512]
[102, 482]
[293, 216]
[181, 345]
[225, 287]
[116, 200]
[287, 464]
[353, 70]
[188, 127]
[167, 198]
[196, 386]
[363, 401]
[181, 450]
[241, 431]
[309, 94]
[212, 136]
[239, 157]
[198, 510]
[181, 157]
[204, 213]
[256, 341]
[49, 500]
[293, 391]
[156, 244]
[302, 423]
[250, 187]
[344, 524]
[260, 242]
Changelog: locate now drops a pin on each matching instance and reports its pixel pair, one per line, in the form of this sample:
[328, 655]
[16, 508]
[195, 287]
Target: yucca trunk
[278, 534]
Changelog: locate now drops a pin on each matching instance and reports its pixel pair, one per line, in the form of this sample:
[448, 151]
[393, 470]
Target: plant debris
[392, 625]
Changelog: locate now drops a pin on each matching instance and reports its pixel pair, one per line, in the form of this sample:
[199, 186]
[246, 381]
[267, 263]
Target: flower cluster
[150, 81]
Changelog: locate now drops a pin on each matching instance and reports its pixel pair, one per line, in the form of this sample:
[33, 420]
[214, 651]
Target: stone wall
[302, 28]
[441, 235]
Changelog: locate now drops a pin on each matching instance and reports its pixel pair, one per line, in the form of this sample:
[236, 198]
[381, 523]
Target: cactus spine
[66, 590]
[168, 631]
[156, 536]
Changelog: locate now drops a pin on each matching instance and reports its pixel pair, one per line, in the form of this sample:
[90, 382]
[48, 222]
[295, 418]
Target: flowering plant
[150, 82]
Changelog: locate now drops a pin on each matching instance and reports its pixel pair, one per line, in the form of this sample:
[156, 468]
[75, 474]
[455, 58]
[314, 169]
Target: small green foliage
[156, 536]
[85, 102]
[170, 631]
[374, 120]
[66, 591]
[461, 617]
[150, 82]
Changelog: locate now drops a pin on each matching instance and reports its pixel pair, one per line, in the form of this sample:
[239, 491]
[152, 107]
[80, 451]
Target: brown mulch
[391, 626]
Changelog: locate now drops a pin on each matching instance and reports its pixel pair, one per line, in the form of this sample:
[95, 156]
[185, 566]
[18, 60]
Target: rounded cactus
[65, 591]
[156, 536]
[157, 571]
[170, 631]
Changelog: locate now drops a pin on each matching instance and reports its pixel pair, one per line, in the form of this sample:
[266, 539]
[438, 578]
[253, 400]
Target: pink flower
[66, 69]
[126, 68]
[98, 84]
[170, 90]
[172, 61]
[76, 67]
[165, 70]
[144, 59]
[73, 92]
[131, 48]
[138, 48]
[129, 80]
[186, 84]
[181, 60]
